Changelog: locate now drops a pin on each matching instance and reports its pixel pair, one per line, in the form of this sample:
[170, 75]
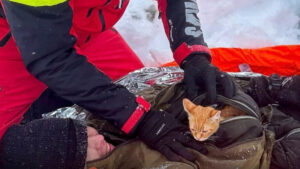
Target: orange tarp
[284, 60]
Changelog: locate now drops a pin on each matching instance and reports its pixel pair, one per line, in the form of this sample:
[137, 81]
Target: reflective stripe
[39, 3]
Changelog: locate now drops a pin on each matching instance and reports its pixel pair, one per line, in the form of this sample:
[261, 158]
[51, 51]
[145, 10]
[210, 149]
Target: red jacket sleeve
[182, 27]
[42, 34]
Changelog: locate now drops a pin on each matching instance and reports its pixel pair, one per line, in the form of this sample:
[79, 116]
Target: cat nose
[199, 137]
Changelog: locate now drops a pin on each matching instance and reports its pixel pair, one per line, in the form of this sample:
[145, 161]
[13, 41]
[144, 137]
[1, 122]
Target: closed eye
[194, 130]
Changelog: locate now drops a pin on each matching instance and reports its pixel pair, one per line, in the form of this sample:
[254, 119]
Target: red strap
[143, 103]
[184, 50]
[143, 107]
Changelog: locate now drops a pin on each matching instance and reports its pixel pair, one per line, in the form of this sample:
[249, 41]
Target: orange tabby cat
[205, 121]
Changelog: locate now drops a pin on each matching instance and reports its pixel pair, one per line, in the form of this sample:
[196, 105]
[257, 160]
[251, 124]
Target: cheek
[216, 127]
[202, 137]
[192, 128]
[211, 132]
[206, 135]
[191, 123]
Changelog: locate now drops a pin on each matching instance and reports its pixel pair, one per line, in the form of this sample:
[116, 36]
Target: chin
[201, 139]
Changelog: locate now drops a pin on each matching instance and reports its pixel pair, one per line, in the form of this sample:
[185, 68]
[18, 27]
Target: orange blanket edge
[283, 60]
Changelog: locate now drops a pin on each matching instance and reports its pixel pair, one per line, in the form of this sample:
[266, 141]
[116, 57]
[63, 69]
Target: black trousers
[47, 102]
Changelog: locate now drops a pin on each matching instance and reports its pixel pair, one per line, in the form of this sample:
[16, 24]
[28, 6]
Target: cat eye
[194, 130]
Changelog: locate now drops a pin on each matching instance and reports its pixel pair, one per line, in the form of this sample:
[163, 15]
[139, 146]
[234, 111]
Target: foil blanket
[137, 81]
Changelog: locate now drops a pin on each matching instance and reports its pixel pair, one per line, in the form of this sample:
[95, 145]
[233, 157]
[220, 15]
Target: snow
[230, 23]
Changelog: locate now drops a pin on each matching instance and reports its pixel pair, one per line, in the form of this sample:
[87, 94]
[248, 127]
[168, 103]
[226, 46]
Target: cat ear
[188, 105]
[216, 117]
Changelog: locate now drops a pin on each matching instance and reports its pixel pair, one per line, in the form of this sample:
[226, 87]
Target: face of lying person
[97, 146]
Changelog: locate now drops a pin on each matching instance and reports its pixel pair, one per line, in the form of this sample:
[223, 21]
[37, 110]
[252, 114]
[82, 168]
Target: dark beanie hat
[45, 144]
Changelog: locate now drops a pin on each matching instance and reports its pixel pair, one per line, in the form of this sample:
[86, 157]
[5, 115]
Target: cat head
[203, 121]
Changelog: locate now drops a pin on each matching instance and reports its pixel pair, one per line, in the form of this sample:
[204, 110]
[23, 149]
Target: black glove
[286, 90]
[275, 89]
[200, 75]
[259, 91]
[162, 132]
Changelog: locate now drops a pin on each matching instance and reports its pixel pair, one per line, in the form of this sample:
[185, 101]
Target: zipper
[234, 119]
[236, 143]
[121, 3]
[238, 118]
[294, 131]
[246, 106]
[231, 101]
[171, 30]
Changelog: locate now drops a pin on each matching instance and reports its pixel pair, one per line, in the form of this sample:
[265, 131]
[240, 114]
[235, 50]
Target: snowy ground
[230, 23]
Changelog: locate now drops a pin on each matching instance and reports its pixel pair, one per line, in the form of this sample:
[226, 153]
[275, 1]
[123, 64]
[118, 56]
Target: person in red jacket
[70, 48]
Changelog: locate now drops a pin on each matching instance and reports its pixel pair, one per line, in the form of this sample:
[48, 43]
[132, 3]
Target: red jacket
[48, 35]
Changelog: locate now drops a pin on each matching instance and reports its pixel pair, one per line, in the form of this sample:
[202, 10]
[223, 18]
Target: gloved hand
[259, 91]
[285, 90]
[275, 89]
[200, 75]
[162, 132]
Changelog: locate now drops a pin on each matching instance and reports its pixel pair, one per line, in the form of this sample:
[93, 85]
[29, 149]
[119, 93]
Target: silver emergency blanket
[74, 112]
[149, 76]
[137, 81]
